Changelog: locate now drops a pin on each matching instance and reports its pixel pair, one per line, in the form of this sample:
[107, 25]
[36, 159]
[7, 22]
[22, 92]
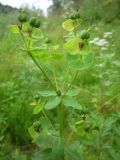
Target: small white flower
[107, 34]
[100, 42]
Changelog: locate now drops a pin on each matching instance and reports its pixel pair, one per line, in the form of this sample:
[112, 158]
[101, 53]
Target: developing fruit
[22, 18]
[84, 35]
[35, 22]
[77, 15]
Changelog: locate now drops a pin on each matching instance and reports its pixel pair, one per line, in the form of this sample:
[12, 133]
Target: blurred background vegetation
[20, 80]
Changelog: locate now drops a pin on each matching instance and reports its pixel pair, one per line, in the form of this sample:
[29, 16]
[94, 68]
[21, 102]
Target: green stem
[42, 70]
[72, 82]
[61, 120]
[66, 78]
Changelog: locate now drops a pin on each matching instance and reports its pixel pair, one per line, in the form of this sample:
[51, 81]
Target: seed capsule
[22, 18]
[84, 35]
[77, 15]
[34, 22]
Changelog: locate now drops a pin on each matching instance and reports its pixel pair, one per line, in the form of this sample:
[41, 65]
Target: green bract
[70, 25]
[72, 46]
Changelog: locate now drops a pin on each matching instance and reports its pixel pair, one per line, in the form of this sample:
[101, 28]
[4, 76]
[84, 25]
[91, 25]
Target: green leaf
[42, 155]
[38, 50]
[37, 109]
[58, 150]
[72, 46]
[56, 56]
[14, 29]
[37, 33]
[72, 155]
[55, 47]
[52, 103]
[73, 92]
[44, 141]
[70, 102]
[32, 132]
[68, 25]
[47, 93]
[80, 61]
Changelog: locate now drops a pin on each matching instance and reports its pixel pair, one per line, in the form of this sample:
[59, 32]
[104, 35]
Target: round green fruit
[37, 24]
[84, 35]
[34, 22]
[22, 18]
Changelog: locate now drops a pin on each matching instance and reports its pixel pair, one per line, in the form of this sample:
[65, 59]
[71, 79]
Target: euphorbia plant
[51, 133]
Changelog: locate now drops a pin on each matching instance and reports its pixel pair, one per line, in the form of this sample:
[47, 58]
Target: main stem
[61, 120]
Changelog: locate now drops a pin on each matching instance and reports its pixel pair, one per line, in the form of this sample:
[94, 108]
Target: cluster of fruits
[34, 21]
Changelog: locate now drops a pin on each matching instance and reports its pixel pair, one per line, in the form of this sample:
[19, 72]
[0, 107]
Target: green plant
[59, 96]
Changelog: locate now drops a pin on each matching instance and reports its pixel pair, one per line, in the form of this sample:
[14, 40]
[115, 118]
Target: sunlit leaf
[37, 109]
[68, 25]
[14, 29]
[72, 46]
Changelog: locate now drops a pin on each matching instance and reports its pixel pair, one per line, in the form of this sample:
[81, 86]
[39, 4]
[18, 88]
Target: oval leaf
[14, 29]
[72, 46]
[52, 103]
[37, 109]
[70, 102]
[73, 92]
[47, 93]
[68, 25]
